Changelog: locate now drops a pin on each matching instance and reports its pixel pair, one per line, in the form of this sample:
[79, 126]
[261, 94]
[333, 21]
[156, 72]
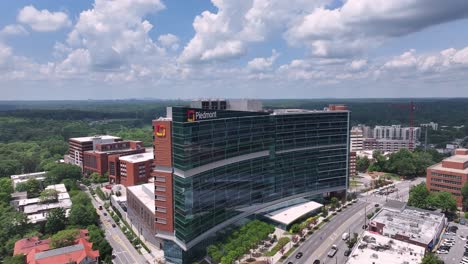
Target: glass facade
[252, 158]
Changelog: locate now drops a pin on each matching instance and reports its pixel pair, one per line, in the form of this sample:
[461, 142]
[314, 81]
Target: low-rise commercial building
[409, 224]
[39, 251]
[449, 175]
[141, 211]
[36, 210]
[386, 145]
[131, 169]
[21, 178]
[373, 248]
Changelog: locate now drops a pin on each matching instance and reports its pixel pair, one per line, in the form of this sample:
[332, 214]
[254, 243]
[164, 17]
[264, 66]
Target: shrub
[281, 243]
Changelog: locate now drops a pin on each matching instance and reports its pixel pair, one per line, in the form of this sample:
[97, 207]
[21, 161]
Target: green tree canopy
[418, 196]
[82, 215]
[362, 164]
[49, 195]
[431, 259]
[32, 186]
[56, 220]
[62, 171]
[64, 238]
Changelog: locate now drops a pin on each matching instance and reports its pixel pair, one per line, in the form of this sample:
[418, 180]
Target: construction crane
[411, 106]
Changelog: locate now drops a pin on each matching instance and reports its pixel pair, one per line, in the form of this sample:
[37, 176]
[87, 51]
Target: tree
[295, 228]
[362, 164]
[446, 202]
[418, 196]
[61, 171]
[431, 259]
[31, 186]
[464, 192]
[334, 202]
[56, 220]
[82, 215]
[48, 195]
[64, 238]
[324, 211]
[16, 259]
[6, 188]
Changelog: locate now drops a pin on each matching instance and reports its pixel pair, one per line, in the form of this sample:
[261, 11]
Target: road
[348, 221]
[315, 247]
[124, 252]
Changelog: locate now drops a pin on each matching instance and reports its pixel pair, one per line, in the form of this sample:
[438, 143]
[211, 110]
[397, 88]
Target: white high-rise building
[356, 139]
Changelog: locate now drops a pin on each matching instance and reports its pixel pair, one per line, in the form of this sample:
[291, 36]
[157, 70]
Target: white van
[345, 236]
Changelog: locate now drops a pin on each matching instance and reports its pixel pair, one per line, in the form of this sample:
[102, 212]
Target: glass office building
[227, 165]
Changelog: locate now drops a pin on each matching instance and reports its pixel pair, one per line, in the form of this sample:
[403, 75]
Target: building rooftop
[374, 248]
[102, 137]
[455, 158]
[417, 224]
[289, 214]
[144, 193]
[138, 157]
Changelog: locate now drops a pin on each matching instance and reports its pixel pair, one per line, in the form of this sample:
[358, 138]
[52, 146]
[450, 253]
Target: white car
[462, 238]
[442, 251]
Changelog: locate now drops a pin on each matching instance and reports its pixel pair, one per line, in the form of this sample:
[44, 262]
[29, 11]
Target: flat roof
[457, 158]
[289, 214]
[440, 167]
[374, 248]
[28, 175]
[84, 139]
[138, 157]
[145, 194]
[304, 111]
[417, 224]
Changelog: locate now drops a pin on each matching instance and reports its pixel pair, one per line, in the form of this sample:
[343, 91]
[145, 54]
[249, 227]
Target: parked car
[462, 221]
[100, 207]
[441, 251]
[316, 261]
[347, 252]
[332, 251]
[345, 236]
[299, 255]
[113, 225]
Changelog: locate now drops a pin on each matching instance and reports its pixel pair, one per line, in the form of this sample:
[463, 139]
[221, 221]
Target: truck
[332, 251]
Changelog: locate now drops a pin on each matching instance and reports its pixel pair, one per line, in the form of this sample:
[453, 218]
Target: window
[161, 209]
[161, 220]
[160, 188]
[161, 198]
[160, 179]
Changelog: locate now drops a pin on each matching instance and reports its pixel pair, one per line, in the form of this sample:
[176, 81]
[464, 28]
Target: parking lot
[455, 253]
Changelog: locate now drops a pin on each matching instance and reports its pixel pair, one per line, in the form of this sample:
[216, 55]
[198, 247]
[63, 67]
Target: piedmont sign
[193, 115]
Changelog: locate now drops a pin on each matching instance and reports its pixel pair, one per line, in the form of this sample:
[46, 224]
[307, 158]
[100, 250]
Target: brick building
[96, 160]
[39, 251]
[449, 175]
[77, 146]
[130, 170]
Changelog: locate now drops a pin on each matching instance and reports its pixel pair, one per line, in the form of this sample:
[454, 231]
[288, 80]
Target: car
[316, 261]
[332, 251]
[299, 255]
[105, 214]
[441, 251]
[462, 237]
[462, 221]
[364, 226]
[290, 262]
[377, 205]
[347, 252]
[100, 207]
[113, 225]
[345, 236]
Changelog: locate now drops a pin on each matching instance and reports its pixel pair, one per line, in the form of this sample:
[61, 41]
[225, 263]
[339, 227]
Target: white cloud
[43, 20]
[169, 41]
[5, 53]
[227, 33]
[115, 33]
[357, 65]
[360, 24]
[13, 30]
[262, 64]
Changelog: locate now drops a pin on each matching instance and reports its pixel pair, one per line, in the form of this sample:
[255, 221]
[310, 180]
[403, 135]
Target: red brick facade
[163, 175]
[450, 175]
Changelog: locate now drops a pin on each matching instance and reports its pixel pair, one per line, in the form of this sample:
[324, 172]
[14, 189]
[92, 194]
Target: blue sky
[104, 49]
